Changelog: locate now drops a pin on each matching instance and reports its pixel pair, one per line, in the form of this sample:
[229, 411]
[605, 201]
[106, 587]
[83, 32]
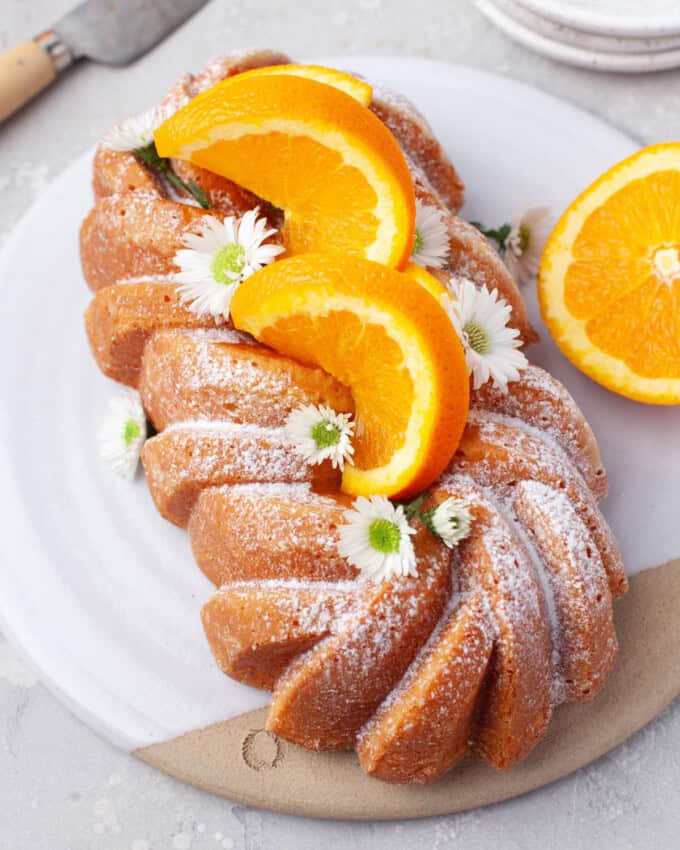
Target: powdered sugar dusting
[532, 573]
[542, 401]
[201, 375]
[498, 453]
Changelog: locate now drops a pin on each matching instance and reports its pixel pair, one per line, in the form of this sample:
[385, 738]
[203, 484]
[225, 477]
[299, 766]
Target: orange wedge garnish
[385, 337]
[609, 280]
[426, 279]
[358, 89]
[328, 162]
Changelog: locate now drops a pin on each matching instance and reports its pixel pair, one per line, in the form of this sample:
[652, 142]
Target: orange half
[609, 279]
[383, 335]
[310, 149]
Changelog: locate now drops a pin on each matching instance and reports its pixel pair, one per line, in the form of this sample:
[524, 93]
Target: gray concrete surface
[61, 787]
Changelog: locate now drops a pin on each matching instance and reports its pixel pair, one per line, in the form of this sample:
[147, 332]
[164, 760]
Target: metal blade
[116, 32]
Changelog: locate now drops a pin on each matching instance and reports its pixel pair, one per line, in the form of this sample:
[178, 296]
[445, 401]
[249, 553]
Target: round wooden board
[238, 759]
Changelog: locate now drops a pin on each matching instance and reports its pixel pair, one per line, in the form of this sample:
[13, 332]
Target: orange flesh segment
[385, 337]
[310, 149]
[383, 423]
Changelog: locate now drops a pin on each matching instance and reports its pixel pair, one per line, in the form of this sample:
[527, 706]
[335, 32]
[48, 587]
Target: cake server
[114, 32]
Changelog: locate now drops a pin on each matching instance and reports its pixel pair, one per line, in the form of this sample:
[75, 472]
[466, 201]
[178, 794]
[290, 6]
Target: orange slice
[358, 89]
[385, 337]
[426, 279]
[312, 150]
[609, 280]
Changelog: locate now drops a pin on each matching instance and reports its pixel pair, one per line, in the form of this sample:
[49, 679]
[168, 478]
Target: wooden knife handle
[24, 71]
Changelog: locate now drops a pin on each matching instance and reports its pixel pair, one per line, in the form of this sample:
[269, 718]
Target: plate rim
[623, 62]
[604, 23]
[565, 34]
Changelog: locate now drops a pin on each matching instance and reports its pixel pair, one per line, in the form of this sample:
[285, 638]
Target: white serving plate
[556, 31]
[102, 594]
[570, 52]
[612, 17]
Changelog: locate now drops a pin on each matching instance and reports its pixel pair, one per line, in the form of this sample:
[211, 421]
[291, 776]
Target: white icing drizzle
[217, 334]
[148, 278]
[505, 510]
[222, 426]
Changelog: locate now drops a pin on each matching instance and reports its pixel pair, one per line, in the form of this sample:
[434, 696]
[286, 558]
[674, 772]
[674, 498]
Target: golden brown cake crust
[417, 139]
[215, 374]
[425, 726]
[114, 172]
[473, 653]
[120, 320]
[301, 540]
[134, 235]
[186, 459]
[257, 628]
[324, 698]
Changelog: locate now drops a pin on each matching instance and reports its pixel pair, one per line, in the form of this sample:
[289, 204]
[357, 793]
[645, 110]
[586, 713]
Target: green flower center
[384, 536]
[325, 434]
[228, 263]
[131, 431]
[524, 237]
[477, 337]
[418, 242]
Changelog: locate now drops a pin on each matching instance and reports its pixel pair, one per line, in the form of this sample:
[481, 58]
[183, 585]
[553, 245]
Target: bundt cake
[473, 652]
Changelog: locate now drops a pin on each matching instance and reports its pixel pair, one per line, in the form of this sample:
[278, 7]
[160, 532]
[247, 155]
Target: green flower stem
[426, 519]
[499, 235]
[149, 156]
[412, 508]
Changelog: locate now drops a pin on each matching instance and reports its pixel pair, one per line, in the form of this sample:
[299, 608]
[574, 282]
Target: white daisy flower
[122, 435]
[481, 320]
[524, 245]
[136, 132]
[319, 433]
[220, 257]
[377, 539]
[431, 241]
[450, 520]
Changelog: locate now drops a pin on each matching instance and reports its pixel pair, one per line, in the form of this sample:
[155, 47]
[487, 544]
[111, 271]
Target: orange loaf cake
[474, 651]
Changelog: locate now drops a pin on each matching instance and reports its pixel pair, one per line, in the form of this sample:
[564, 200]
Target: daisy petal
[524, 245]
[122, 435]
[431, 242]
[319, 433]
[218, 257]
[481, 321]
[377, 539]
[137, 132]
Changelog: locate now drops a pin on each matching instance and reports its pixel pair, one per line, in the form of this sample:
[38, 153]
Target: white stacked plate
[629, 36]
